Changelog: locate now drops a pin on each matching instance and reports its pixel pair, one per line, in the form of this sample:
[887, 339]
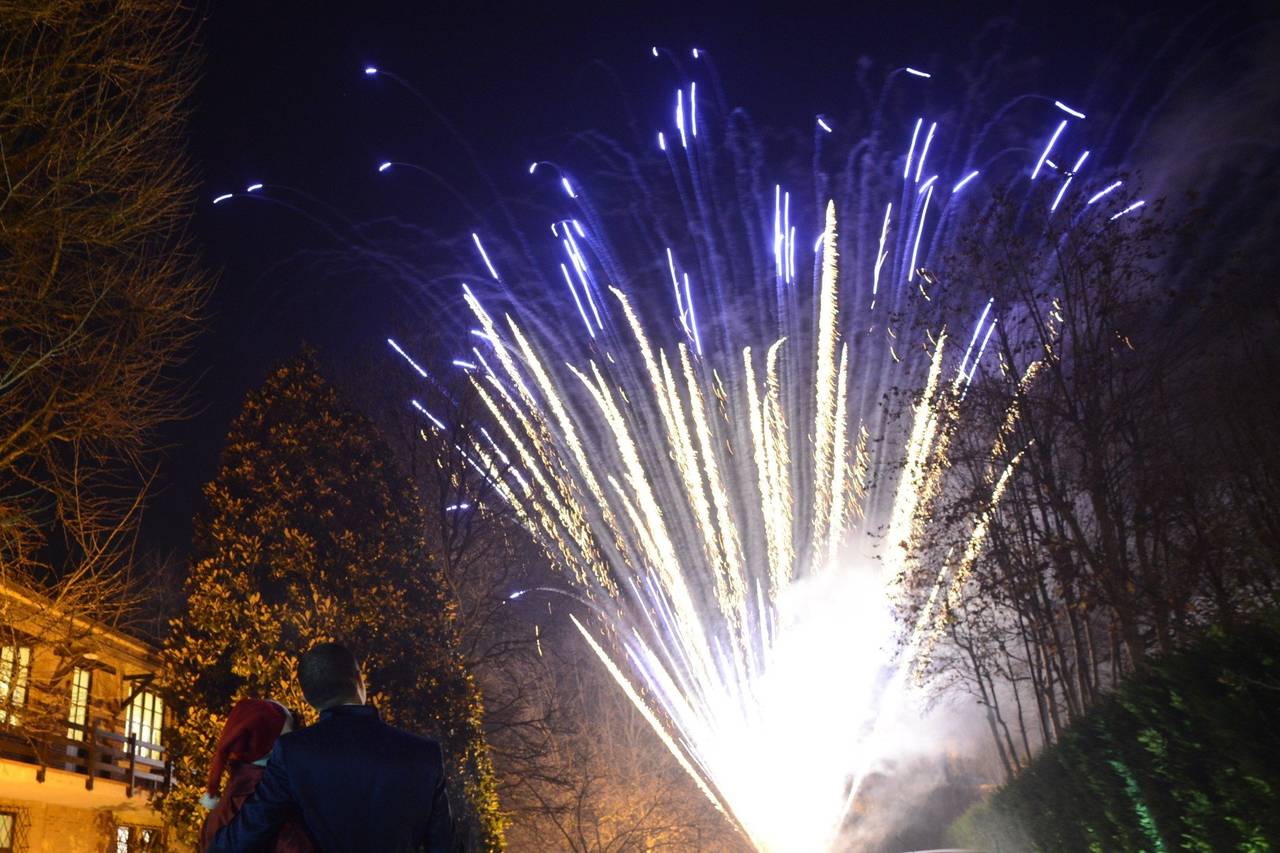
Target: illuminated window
[78, 710]
[15, 827]
[15, 675]
[136, 839]
[144, 720]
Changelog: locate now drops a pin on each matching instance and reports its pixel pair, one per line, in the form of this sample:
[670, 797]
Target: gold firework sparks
[634, 487]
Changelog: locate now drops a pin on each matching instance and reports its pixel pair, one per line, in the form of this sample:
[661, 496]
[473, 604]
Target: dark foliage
[1184, 756]
[311, 533]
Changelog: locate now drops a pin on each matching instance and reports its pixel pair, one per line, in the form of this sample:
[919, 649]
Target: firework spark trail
[705, 502]
[723, 677]
[708, 517]
[825, 392]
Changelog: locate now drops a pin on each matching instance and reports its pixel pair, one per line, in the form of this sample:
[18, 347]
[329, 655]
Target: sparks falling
[715, 542]
[725, 503]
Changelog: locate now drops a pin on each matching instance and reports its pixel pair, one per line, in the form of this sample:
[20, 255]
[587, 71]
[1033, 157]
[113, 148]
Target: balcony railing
[99, 753]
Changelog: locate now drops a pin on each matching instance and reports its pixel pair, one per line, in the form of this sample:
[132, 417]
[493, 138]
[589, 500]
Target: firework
[713, 498]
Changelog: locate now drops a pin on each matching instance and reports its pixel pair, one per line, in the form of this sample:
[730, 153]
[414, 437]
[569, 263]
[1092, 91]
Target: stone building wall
[50, 828]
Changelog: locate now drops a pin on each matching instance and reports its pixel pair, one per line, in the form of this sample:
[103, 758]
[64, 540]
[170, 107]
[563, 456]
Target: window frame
[83, 705]
[132, 840]
[15, 681]
[19, 839]
[13, 831]
[149, 707]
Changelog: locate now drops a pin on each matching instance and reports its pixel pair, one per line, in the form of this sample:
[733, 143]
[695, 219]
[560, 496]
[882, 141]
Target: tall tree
[1135, 513]
[577, 767]
[310, 533]
[100, 285]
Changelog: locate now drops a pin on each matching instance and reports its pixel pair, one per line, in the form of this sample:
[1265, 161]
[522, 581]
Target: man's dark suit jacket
[359, 785]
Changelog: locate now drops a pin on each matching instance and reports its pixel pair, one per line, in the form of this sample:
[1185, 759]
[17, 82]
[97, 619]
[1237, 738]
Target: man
[358, 784]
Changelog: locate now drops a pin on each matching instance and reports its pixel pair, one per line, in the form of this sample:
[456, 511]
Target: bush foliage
[1184, 756]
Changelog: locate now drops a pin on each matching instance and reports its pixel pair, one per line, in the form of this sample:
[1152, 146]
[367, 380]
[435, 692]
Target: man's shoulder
[364, 727]
[411, 740]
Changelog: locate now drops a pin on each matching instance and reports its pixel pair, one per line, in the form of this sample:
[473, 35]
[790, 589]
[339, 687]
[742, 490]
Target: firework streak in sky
[710, 498]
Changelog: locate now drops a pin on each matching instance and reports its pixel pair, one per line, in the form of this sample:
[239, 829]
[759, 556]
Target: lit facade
[81, 732]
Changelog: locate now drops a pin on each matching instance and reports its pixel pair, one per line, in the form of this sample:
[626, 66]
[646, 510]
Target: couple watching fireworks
[350, 782]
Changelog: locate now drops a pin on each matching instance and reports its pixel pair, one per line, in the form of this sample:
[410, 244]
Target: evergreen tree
[310, 533]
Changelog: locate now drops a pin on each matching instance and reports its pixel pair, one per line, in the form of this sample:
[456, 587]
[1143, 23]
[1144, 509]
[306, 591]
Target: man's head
[330, 676]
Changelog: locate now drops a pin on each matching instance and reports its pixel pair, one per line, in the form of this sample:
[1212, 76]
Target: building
[81, 732]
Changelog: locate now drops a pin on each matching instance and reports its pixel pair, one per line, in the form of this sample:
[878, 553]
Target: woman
[247, 738]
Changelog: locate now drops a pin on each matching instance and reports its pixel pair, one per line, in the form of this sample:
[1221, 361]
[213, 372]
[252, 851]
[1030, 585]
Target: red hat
[249, 734]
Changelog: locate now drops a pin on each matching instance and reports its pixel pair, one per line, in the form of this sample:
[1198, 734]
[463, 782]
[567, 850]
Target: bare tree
[100, 289]
[601, 781]
[577, 767]
[1132, 517]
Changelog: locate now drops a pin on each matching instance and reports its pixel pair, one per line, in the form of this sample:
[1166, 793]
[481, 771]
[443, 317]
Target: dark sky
[283, 100]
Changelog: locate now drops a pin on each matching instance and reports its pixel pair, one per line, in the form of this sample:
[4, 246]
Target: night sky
[283, 100]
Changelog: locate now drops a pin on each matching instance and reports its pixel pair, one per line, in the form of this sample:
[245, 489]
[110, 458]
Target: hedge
[1185, 756]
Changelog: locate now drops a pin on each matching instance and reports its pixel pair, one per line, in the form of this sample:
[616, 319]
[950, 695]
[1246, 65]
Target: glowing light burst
[722, 502]
[711, 525]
